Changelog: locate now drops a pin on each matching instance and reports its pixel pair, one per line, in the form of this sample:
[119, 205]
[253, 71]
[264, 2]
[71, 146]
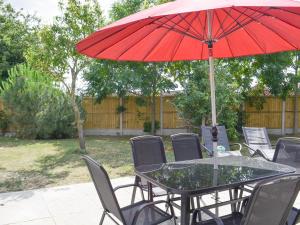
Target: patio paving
[76, 204]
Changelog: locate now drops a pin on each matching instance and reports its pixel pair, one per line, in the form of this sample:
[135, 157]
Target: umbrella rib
[250, 35]
[271, 29]
[195, 31]
[142, 38]
[182, 31]
[95, 55]
[267, 14]
[238, 25]
[90, 45]
[182, 37]
[154, 46]
[179, 31]
[126, 36]
[221, 28]
[199, 20]
[221, 24]
[232, 25]
[287, 11]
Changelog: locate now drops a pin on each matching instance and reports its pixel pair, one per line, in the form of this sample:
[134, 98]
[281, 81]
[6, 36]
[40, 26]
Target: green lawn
[29, 164]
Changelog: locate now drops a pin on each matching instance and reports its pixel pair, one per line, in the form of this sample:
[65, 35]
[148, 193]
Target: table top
[199, 176]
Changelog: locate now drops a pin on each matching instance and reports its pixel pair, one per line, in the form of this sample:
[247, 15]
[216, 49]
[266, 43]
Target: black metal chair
[270, 204]
[186, 146]
[140, 213]
[287, 152]
[222, 140]
[258, 142]
[147, 150]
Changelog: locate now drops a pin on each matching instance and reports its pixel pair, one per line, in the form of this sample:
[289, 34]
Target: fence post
[283, 118]
[161, 114]
[121, 117]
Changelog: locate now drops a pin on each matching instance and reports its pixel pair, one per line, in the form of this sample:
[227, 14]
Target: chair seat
[232, 219]
[149, 216]
[269, 153]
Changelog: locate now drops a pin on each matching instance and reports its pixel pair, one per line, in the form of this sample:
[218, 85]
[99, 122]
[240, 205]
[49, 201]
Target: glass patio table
[198, 177]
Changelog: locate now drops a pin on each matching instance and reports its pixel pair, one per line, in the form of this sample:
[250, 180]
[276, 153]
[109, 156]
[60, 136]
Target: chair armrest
[207, 212]
[252, 149]
[207, 150]
[138, 212]
[259, 152]
[238, 144]
[130, 185]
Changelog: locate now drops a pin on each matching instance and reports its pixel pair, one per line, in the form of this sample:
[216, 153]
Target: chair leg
[102, 218]
[134, 190]
[198, 207]
[168, 200]
[174, 219]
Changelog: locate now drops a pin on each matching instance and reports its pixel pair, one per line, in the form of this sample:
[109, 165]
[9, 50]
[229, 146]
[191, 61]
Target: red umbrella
[199, 30]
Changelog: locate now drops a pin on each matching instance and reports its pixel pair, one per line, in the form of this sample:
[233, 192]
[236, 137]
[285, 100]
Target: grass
[30, 164]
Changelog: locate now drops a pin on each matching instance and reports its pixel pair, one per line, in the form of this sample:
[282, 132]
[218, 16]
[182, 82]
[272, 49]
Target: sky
[47, 9]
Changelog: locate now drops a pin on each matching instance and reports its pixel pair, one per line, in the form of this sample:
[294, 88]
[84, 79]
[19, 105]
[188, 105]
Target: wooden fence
[272, 114]
[105, 116]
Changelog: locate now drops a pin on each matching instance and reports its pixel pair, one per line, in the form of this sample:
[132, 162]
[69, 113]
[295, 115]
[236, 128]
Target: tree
[16, 31]
[55, 53]
[35, 106]
[193, 103]
[295, 66]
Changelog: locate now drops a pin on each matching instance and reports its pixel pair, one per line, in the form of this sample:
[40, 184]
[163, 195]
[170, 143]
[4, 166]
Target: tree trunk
[153, 109]
[79, 125]
[78, 120]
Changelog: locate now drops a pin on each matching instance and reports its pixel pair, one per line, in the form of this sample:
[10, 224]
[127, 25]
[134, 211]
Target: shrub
[4, 121]
[147, 126]
[37, 108]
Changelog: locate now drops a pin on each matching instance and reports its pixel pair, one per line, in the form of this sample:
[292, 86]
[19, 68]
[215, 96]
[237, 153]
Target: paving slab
[76, 204]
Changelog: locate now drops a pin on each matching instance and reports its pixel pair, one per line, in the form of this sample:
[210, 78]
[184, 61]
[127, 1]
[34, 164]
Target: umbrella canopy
[199, 30]
[180, 31]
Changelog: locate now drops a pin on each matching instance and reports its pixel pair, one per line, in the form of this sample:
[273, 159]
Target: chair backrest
[186, 146]
[257, 137]
[147, 150]
[271, 201]
[222, 137]
[103, 187]
[287, 152]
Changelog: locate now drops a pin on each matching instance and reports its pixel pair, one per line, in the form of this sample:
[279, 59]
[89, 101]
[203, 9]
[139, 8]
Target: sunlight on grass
[29, 164]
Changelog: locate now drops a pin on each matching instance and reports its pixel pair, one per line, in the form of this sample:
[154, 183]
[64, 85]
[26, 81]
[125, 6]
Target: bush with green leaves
[4, 122]
[37, 107]
[193, 103]
[147, 126]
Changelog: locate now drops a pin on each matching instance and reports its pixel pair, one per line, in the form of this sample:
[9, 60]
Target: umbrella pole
[212, 80]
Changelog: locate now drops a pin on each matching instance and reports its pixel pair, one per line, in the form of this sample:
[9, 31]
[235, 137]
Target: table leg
[150, 192]
[235, 196]
[185, 210]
